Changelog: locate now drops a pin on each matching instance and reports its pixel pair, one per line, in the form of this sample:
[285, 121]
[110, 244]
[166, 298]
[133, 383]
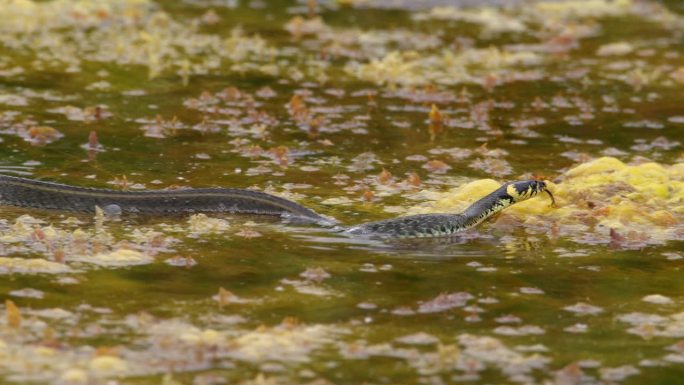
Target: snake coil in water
[16, 191]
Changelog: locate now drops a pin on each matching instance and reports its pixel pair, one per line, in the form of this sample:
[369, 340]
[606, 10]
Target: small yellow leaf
[13, 314]
[224, 297]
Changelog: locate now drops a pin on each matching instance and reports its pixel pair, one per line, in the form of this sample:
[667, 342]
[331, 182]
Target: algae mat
[361, 110]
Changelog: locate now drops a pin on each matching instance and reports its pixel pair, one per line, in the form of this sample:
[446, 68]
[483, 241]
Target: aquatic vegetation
[361, 110]
[202, 224]
[444, 301]
[31, 266]
[598, 201]
[137, 33]
[121, 257]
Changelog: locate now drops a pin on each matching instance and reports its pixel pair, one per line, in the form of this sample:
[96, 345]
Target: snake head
[526, 189]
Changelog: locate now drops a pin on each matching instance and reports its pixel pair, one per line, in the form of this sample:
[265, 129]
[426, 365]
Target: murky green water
[201, 93]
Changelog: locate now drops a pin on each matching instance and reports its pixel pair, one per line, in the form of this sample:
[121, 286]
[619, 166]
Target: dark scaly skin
[435, 225]
[24, 192]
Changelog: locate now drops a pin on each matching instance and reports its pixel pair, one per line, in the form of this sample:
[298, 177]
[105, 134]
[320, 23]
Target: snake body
[436, 225]
[23, 192]
[16, 191]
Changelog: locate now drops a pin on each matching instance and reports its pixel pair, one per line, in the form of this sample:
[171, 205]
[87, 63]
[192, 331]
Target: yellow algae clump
[615, 49]
[211, 337]
[647, 183]
[31, 266]
[121, 257]
[411, 68]
[19, 231]
[282, 343]
[626, 196]
[106, 366]
[206, 337]
[600, 165]
[584, 8]
[491, 19]
[74, 376]
[125, 32]
[202, 224]
[44, 351]
[191, 337]
[601, 201]
[394, 68]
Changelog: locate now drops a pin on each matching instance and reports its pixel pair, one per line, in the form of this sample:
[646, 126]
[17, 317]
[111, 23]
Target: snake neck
[487, 206]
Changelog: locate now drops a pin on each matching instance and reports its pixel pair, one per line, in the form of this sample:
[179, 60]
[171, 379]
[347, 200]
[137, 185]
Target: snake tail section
[16, 191]
[435, 225]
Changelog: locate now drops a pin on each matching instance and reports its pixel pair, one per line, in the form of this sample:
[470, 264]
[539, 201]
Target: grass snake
[23, 192]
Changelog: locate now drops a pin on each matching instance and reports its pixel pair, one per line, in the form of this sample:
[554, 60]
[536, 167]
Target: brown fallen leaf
[435, 115]
[385, 177]
[225, 297]
[112, 351]
[59, 255]
[298, 108]
[436, 166]
[280, 155]
[436, 122]
[616, 240]
[413, 180]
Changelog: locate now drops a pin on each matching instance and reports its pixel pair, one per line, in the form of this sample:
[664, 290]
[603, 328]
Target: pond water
[361, 110]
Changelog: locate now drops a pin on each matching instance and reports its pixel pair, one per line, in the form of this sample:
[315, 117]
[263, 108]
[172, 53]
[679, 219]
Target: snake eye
[537, 187]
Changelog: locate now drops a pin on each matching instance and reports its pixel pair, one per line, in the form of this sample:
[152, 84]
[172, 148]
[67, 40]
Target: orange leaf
[435, 115]
[13, 314]
[413, 179]
[385, 177]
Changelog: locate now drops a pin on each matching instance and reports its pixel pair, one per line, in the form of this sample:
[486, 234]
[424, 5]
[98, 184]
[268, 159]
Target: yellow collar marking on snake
[518, 196]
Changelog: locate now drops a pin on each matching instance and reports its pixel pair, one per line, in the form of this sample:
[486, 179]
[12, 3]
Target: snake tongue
[553, 200]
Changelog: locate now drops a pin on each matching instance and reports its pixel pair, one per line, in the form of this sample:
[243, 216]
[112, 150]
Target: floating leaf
[13, 314]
